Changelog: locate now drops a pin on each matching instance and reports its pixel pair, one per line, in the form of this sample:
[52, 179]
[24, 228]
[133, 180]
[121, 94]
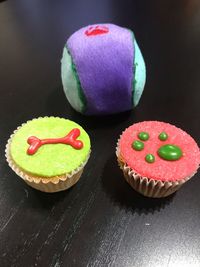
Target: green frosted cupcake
[49, 153]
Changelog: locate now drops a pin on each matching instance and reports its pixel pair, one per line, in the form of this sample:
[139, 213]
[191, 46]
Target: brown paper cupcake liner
[50, 185]
[146, 186]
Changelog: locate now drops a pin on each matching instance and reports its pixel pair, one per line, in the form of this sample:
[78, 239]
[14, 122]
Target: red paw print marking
[97, 30]
[70, 139]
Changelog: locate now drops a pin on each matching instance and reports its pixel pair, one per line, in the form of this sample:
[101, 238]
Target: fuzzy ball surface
[103, 70]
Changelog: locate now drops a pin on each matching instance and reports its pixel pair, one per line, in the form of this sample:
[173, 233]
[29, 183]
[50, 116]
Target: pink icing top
[160, 169]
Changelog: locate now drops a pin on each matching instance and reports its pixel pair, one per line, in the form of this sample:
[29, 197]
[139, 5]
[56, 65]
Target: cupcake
[157, 158]
[48, 153]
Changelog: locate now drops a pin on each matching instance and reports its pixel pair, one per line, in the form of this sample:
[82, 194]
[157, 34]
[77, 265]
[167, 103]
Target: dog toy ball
[103, 70]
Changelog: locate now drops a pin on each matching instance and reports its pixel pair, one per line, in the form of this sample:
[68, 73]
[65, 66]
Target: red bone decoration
[96, 30]
[70, 139]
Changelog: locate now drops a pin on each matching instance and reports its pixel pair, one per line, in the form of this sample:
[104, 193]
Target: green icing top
[150, 158]
[144, 136]
[51, 159]
[163, 136]
[138, 145]
[170, 152]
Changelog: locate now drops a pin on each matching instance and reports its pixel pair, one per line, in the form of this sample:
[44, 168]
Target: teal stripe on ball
[139, 75]
[71, 83]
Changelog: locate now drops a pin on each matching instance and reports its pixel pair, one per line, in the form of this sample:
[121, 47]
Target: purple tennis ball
[103, 71]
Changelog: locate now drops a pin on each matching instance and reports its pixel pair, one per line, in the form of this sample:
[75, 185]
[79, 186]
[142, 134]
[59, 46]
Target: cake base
[48, 185]
[148, 187]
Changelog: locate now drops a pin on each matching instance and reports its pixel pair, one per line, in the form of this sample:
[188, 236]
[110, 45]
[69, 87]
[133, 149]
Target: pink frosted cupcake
[157, 158]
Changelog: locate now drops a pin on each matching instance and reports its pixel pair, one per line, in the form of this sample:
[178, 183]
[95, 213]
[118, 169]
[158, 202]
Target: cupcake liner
[49, 185]
[60, 186]
[146, 186]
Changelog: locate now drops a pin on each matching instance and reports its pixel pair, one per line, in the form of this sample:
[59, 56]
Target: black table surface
[101, 221]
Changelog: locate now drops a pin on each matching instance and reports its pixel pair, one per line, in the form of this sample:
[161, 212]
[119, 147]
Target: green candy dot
[170, 152]
[163, 136]
[138, 145]
[150, 158]
[144, 136]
